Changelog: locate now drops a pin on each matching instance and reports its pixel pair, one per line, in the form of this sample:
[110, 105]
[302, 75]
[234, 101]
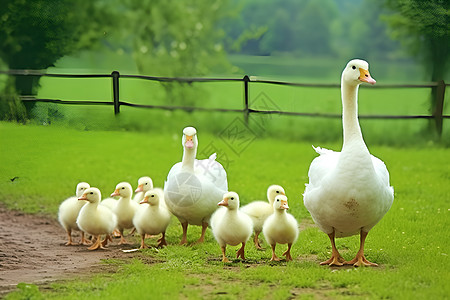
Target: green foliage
[423, 28]
[409, 243]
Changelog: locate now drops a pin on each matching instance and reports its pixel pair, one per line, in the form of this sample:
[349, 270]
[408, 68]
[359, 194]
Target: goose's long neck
[352, 130]
[188, 159]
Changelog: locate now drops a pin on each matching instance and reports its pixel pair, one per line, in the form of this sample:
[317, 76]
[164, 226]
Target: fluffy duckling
[124, 209]
[231, 226]
[96, 219]
[280, 227]
[68, 213]
[152, 218]
[145, 184]
[259, 211]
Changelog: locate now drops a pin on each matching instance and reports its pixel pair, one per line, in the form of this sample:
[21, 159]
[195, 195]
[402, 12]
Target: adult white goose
[348, 191]
[68, 213]
[259, 211]
[125, 208]
[96, 219]
[194, 187]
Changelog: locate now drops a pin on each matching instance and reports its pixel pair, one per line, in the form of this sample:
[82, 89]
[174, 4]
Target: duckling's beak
[139, 189]
[224, 202]
[189, 142]
[116, 193]
[83, 197]
[284, 205]
[145, 200]
[365, 76]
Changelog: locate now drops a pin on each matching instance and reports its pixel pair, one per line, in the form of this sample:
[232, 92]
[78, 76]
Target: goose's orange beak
[189, 142]
[365, 76]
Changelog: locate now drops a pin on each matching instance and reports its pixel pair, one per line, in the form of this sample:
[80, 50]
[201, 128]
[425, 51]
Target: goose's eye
[353, 67]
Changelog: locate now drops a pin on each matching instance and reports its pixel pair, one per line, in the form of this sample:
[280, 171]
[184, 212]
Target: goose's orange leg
[335, 259]
[184, 238]
[360, 259]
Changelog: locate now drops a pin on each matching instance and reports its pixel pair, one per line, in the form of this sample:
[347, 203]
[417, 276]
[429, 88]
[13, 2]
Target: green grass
[410, 243]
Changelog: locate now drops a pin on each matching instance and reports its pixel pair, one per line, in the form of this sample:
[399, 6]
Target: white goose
[68, 213]
[96, 219]
[194, 187]
[259, 211]
[124, 209]
[348, 191]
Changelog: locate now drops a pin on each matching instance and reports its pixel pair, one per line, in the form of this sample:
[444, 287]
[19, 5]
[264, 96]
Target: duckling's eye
[123, 188]
[278, 200]
[92, 193]
[232, 198]
[146, 183]
[153, 195]
[353, 67]
[278, 192]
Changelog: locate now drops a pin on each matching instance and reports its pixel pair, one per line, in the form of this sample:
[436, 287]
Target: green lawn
[410, 244]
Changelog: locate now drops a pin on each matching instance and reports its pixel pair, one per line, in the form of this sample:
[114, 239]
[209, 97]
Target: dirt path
[32, 250]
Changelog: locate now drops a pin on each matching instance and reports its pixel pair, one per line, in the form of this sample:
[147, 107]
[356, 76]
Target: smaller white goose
[231, 226]
[96, 219]
[259, 211]
[125, 208]
[68, 213]
[281, 228]
[152, 218]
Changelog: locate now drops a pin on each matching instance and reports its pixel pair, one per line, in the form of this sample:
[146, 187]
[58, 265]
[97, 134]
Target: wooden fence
[438, 87]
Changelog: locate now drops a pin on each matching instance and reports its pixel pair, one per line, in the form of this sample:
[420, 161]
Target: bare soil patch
[32, 250]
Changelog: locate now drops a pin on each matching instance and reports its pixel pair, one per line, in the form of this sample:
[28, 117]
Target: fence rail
[437, 114]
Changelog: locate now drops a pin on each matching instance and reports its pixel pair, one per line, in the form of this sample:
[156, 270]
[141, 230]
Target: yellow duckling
[231, 226]
[124, 209]
[68, 213]
[281, 227]
[153, 218]
[96, 219]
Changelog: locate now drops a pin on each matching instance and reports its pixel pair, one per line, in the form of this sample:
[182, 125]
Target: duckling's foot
[241, 252]
[84, 241]
[123, 241]
[143, 245]
[274, 256]
[224, 257]
[116, 233]
[287, 253]
[97, 244]
[162, 241]
[105, 241]
[360, 260]
[257, 244]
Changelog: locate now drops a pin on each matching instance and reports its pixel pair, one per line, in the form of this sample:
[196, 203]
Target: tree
[423, 28]
[36, 33]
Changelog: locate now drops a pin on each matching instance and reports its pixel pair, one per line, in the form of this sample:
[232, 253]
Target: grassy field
[410, 243]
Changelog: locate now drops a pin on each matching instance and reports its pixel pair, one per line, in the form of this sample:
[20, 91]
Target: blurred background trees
[197, 37]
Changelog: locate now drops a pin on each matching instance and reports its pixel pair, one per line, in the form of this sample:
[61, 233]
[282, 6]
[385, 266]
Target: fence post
[246, 110]
[439, 108]
[115, 85]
